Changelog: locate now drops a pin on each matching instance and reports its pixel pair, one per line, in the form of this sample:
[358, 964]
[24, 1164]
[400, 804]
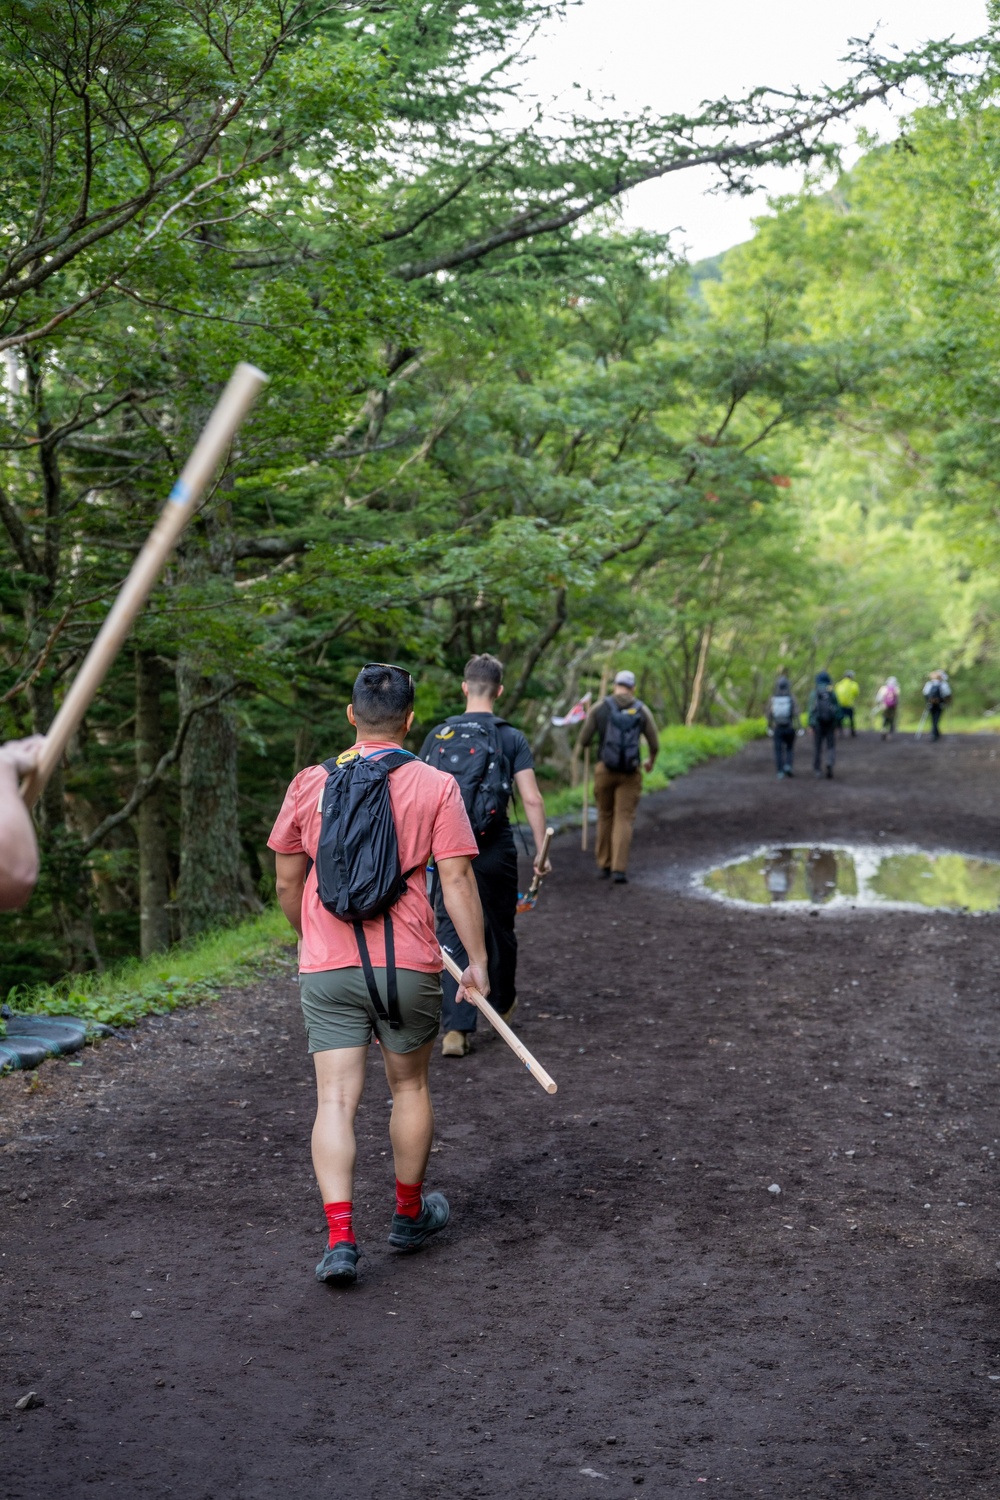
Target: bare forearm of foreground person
[290, 880]
[18, 848]
[534, 811]
[461, 899]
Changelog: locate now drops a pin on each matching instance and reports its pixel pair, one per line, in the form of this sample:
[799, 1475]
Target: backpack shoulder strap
[392, 1013]
[391, 759]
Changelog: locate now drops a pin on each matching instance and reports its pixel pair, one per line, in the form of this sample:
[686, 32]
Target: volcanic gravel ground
[619, 1307]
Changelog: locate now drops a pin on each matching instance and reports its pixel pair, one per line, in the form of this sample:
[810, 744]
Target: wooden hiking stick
[586, 799]
[527, 901]
[230, 409]
[501, 1028]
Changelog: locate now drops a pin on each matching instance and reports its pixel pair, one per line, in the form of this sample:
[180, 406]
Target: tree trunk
[154, 866]
[699, 676]
[208, 891]
[303, 751]
[706, 645]
[209, 886]
[41, 699]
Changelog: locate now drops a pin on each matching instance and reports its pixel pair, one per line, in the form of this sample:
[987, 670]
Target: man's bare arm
[652, 737]
[589, 728]
[534, 810]
[290, 880]
[18, 847]
[461, 899]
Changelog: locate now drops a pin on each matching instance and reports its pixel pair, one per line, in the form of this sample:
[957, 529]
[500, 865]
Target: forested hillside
[495, 420]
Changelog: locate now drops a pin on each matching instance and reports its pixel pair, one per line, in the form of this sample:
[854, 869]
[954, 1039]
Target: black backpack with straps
[826, 711]
[620, 749]
[358, 874]
[472, 751]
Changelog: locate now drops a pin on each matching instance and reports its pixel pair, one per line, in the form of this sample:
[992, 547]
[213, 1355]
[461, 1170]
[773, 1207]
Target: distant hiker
[352, 842]
[18, 849]
[887, 701]
[620, 720]
[488, 758]
[783, 722]
[823, 715]
[937, 691]
[847, 691]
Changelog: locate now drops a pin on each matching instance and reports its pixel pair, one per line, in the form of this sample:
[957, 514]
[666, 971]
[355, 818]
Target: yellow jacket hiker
[847, 691]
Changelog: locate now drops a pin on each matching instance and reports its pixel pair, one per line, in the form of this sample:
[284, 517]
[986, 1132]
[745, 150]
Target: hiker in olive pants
[620, 720]
[616, 794]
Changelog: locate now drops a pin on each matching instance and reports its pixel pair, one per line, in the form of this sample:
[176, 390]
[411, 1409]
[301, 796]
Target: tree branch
[149, 783]
[540, 220]
[539, 648]
[19, 538]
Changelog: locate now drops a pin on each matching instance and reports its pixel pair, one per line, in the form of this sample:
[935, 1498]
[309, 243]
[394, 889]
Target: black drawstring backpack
[358, 873]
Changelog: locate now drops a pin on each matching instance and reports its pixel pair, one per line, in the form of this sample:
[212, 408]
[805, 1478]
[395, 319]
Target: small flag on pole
[576, 715]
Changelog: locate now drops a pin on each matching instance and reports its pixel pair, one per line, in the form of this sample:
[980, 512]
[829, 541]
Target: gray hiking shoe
[410, 1234]
[339, 1266]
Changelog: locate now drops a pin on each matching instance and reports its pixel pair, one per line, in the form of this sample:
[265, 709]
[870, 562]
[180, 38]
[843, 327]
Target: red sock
[338, 1216]
[408, 1198]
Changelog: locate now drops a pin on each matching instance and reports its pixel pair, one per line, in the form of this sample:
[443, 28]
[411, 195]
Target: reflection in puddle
[858, 875]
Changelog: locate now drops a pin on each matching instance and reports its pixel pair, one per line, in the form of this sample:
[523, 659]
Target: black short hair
[382, 696]
[486, 672]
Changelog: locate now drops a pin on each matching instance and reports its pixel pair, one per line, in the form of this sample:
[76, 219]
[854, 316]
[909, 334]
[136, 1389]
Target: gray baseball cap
[625, 679]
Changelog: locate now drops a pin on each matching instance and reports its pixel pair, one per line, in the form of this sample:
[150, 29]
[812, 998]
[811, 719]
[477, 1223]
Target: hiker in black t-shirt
[488, 758]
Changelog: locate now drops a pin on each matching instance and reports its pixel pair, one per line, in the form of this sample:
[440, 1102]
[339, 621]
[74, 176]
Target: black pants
[824, 734]
[784, 749]
[847, 717]
[495, 868]
[937, 709]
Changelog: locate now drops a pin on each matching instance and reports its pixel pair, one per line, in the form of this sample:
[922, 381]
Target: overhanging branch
[149, 783]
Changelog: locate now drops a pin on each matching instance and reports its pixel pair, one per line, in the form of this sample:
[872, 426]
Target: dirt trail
[620, 1307]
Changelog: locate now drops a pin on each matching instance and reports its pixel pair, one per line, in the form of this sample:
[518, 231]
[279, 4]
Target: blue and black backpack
[472, 751]
[358, 874]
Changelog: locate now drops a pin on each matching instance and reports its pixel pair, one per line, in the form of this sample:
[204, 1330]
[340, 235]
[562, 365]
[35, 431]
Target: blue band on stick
[180, 494]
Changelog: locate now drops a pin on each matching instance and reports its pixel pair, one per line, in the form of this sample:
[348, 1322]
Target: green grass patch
[963, 724]
[185, 975]
[681, 748]
[909, 721]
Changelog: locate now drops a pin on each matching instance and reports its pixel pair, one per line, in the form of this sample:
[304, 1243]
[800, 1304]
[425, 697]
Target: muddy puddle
[856, 875]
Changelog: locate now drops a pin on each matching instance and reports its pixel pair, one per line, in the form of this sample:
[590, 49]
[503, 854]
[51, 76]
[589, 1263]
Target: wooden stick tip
[245, 369]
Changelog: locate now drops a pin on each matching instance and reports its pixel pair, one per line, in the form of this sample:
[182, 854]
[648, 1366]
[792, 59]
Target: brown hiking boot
[455, 1044]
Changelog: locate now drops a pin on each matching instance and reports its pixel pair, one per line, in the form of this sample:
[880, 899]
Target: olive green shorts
[338, 1010]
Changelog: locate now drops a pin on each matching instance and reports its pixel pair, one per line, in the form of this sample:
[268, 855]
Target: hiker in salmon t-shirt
[357, 833]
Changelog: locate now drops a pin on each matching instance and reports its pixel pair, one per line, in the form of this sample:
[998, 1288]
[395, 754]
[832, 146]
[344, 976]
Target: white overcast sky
[670, 56]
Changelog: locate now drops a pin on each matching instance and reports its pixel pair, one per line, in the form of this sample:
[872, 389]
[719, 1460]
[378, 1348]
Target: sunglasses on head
[388, 666]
